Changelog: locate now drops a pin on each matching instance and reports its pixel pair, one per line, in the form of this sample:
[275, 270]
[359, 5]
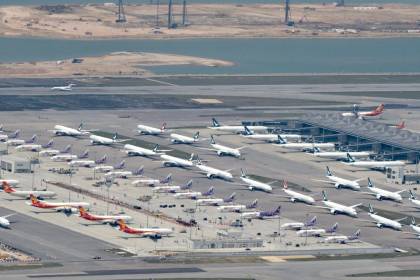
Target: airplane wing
[412, 233]
[243, 147]
[323, 181]
[322, 207]
[272, 182]
[228, 170]
[358, 180]
[207, 149]
[401, 191]
[7, 216]
[356, 205]
[402, 219]
[371, 193]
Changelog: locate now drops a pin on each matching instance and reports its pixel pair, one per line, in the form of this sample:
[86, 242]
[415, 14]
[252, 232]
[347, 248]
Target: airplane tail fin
[163, 127]
[401, 125]
[247, 131]
[243, 174]
[67, 149]
[412, 196]
[191, 157]
[101, 160]
[15, 134]
[333, 229]
[1, 127]
[215, 123]
[196, 135]
[252, 205]
[33, 139]
[49, 144]
[355, 235]
[85, 154]
[371, 209]
[230, 198]
[188, 185]
[316, 150]
[280, 139]
[328, 173]
[380, 108]
[115, 136]
[139, 171]
[34, 200]
[212, 141]
[311, 222]
[80, 127]
[413, 221]
[285, 185]
[350, 158]
[277, 210]
[167, 179]
[324, 196]
[122, 225]
[7, 188]
[370, 184]
[155, 149]
[121, 165]
[82, 211]
[209, 192]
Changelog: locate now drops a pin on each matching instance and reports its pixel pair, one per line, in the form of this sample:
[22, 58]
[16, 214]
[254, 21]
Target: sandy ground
[210, 20]
[113, 64]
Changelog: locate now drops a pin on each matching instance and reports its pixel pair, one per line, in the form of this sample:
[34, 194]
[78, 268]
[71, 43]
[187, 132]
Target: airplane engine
[251, 188]
[337, 185]
[332, 211]
[378, 197]
[292, 200]
[210, 176]
[379, 225]
[219, 153]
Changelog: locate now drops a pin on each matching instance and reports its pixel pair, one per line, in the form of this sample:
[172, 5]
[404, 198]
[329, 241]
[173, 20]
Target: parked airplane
[11, 182]
[303, 146]
[254, 184]
[295, 196]
[153, 233]
[223, 150]
[212, 172]
[63, 157]
[317, 232]
[152, 182]
[339, 155]
[132, 150]
[17, 142]
[356, 113]
[299, 225]
[82, 163]
[342, 239]
[124, 174]
[34, 147]
[373, 164]
[414, 199]
[26, 194]
[262, 214]
[52, 152]
[61, 130]
[181, 139]
[105, 219]
[173, 189]
[100, 140]
[102, 160]
[58, 206]
[238, 208]
[148, 130]
[383, 194]
[381, 221]
[216, 201]
[401, 125]
[4, 221]
[415, 228]
[336, 208]
[69, 87]
[194, 195]
[339, 182]
[5, 137]
[171, 161]
[270, 137]
[109, 168]
[235, 128]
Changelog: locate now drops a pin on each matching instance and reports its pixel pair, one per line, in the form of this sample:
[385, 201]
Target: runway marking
[161, 82]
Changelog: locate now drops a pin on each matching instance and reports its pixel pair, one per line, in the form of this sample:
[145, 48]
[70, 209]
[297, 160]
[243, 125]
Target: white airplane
[82, 163]
[342, 239]
[63, 157]
[381, 221]
[339, 182]
[415, 228]
[173, 189]
[224, 150]
[194, 195]
[153, 233]
[109, 168]
[239, 208]
[299, 225]
[181, 139]
[100, 140]
[379, 110]
[235, 128]
[26, 194]
[5, 137]
[339, 155]
[270, 137]
[317, 232]
[4, 222]
[18, 142]
[124, 174]
[336, 208]
[69, 87]
[254, 184]
[303, 145]
[216, 201]
[148, 130]
[295, 196]
[67, 207]
[373, 164]
[60, 130]
[212, 172]
[261, 214]
[34, 147]
[105, 219]
[152, 182]
[53, 152]
[384, 194]
[10, 182]
[132, 150]
[171, 161]
[413, 199]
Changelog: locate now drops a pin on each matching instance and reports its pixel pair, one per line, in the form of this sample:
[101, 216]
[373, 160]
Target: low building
[15, 164]
[225, 243]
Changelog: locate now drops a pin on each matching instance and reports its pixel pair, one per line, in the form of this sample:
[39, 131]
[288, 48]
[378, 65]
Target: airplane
[339, 182]
[383, 164]
[124, 174]
[376, 112]
[4, 222]
[269, 137]
[401, 125]
[58, 206]
[254, 184]
[1, 128]
[82, 163]
[63, 157]
[171, 161]
[299, 225]
[105, 219]
[239, 208]
[100, 140]
[5, 137]
[261, 214]
[414, 199]
[173, 189]
[303, 146]
[148, 130]
[295, 196]
[381, 221]
[317, 232]
[194, 195]
[26, 194]
[17, 142]
[109, 168]
[52, 152]
[69, 87]
[60, 130]
[235, 128]
[216, 201]
[336, 208]
[102, 160]
[11, 182]
[83, 155]
[153, 233]
[415, 228]
[383, 194]
[132, 150]
[339, 155]
[212, 172]
[181, 139]
[152, 182]
[34, 147]
[342, 239]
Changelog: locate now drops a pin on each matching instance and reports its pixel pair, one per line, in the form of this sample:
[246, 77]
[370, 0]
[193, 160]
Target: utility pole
[170, 14]
[121, 15]
[157, 13]
[287, 11]
[184, 12]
